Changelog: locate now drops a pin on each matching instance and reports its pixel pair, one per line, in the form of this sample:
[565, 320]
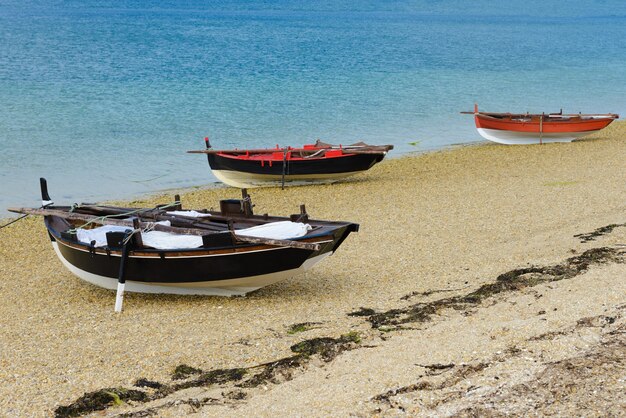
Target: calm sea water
[104, 97]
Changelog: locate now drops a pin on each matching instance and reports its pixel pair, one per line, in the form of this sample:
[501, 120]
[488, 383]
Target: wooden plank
[277, 242]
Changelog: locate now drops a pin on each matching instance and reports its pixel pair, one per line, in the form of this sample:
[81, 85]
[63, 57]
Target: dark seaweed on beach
[270, 372]
[183, 371]
[363, 312]
[145, 383]
[510, 281]
[591, 236]
[105, 398]
[100, 400]
[327, 348]
[301, 327]
[212, 377]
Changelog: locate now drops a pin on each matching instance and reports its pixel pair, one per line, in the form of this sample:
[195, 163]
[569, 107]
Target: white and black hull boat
[204, 272]
[229, 259]
[315, 163]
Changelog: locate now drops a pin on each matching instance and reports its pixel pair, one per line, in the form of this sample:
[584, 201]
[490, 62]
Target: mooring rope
[100, 218]
[19, 219]
[129, 235]
[13, 221]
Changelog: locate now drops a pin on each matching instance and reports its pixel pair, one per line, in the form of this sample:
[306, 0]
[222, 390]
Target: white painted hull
[230, 287]
[250, 180]
[527, 138]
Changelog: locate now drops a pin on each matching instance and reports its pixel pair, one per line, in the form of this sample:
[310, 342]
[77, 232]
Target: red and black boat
[313, 163]
[167, 250]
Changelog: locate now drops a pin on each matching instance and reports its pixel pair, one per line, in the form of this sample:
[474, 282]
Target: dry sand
[447, 338]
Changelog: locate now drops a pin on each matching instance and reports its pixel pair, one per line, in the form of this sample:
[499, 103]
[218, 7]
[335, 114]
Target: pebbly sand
[433, 330]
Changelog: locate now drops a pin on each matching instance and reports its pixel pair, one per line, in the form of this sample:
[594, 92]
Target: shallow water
[104, 99]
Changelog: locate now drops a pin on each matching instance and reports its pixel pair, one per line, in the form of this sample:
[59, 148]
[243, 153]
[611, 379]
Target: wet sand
[444, 321]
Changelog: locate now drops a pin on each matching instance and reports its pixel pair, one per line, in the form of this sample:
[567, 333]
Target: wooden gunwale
[559, 115]
[216, 219]
[195, 252]
[554, 118]
[348, 149]
[535, 123]
[196, 229]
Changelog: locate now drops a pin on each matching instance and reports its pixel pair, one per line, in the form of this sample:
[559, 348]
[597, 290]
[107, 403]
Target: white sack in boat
[276, 230]
[168, 241]
[99, 234]
[273, 230]
[189, 213]
[155, 239]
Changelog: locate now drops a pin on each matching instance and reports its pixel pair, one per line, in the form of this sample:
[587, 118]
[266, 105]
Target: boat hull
[538, 129]
[528, 138]
[226, 287]
[250, 173]
[215, 270]
[245, 180]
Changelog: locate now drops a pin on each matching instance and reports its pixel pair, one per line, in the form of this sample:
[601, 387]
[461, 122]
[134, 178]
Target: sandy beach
[484, 280]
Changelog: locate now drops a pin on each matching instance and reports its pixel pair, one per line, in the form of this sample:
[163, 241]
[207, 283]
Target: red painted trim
[274, 157]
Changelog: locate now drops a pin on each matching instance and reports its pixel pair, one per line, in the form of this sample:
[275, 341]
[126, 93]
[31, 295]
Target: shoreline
[409, 313]
[6, 216]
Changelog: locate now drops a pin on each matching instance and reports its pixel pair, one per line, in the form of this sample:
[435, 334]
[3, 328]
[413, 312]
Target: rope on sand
[13, 221]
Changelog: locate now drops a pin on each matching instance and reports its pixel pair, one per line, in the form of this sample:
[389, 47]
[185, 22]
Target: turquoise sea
[104, 97]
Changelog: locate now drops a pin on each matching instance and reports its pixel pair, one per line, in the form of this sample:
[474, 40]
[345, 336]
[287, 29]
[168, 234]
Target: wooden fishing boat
[315, 163]
[167, 250]
[526, 128]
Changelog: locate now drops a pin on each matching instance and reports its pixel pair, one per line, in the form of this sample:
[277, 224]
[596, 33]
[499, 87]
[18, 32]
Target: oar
[121, 278]
[176, 230]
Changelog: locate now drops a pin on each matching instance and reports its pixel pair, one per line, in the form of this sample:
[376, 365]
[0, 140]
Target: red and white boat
[526, 128]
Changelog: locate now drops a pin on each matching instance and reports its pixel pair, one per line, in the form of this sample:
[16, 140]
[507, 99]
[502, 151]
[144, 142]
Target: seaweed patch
[513, 280]
[327, 348]
[302, 327]
[427, 293]
[591, 236]
[105, 398]
[183, 371]
[272, 372]
[145, 383]
[363, 312]
[100, 400]
[212, 377]
[462, 372]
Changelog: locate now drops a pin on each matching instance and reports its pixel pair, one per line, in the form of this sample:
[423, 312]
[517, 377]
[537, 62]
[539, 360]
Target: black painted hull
[246, 173]
[233, 270]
